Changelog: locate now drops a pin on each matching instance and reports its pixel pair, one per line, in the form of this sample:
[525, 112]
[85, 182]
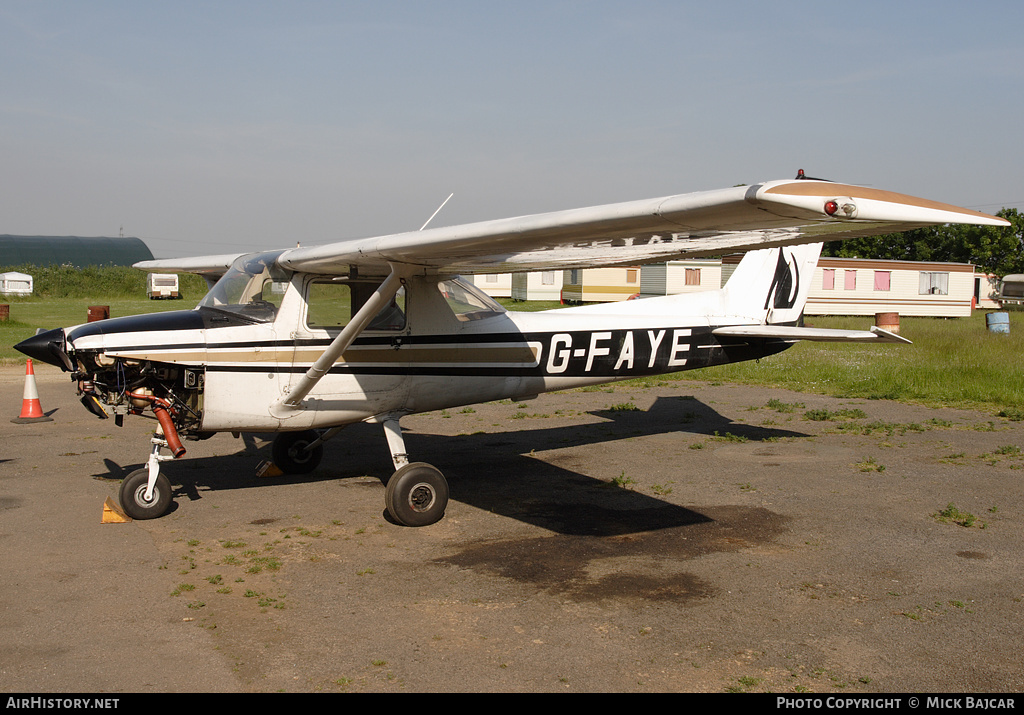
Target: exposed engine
[122, 387]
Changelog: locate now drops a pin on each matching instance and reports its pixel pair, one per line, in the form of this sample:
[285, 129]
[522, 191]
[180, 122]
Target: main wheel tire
[291, 455]
[416, 495]
[132, 495]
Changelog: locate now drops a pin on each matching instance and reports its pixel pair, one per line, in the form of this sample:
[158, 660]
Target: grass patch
[784, 407]
[955, 363]
[529, 306]
[824, 415]
[880, 427]
[624, 407]
[260, 563]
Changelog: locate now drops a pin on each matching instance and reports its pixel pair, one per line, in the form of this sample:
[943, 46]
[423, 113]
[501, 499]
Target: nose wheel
[146, 492]
[134, 499]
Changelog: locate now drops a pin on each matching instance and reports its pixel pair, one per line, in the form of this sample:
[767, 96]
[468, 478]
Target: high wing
[210, 267]
[691, 225]
[707, 223]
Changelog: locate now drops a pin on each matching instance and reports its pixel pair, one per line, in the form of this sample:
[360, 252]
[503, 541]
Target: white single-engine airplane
[303, 341]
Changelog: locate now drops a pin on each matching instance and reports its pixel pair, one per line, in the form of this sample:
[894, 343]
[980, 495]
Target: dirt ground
[688, 537]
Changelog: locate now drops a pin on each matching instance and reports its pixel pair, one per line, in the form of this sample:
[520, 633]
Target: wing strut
[292, 400]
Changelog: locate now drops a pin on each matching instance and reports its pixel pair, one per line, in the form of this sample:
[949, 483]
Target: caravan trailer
[1011, 290]
[160, 286]
[15, 283]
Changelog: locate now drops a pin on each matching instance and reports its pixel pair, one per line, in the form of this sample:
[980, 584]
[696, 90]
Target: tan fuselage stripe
[404, 355]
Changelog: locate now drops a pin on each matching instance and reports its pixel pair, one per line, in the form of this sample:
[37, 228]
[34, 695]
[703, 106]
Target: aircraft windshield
[252, 288]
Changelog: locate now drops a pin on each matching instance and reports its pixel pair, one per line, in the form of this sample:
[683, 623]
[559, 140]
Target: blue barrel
[998, 322]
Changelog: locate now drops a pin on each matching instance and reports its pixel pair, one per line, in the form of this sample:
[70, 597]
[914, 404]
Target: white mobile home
[987, 291]
[866, 286]
[15, 283]
[600, 285]
[862, 286]
[539, 285]
[680, 277]
[496, 285]
[839, 286]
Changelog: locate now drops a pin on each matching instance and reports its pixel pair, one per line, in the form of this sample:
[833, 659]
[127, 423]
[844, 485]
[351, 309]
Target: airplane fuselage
[448, 346]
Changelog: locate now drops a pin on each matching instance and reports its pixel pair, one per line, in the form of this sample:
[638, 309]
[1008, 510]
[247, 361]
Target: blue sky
[210, 127]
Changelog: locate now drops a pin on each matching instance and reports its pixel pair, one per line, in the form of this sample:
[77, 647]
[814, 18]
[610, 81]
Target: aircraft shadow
[493, 471]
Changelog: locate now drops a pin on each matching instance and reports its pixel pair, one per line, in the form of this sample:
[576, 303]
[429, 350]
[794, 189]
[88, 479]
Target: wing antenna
[438, 210]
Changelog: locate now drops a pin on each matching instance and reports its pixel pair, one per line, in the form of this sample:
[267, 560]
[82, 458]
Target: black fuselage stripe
[613, 353]
[695, 359]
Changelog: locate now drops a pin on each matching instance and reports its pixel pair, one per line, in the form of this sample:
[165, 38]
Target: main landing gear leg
[417, 493]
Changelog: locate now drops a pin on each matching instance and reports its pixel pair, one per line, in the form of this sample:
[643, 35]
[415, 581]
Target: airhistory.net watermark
[49, 703]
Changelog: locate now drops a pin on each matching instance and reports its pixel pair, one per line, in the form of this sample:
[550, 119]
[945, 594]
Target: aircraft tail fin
[770, 285]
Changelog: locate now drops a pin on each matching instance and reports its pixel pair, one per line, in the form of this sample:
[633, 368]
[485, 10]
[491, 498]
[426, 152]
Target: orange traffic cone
[31, 410]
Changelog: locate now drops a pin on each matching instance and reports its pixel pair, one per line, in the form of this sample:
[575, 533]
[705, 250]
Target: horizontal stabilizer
[829, 335]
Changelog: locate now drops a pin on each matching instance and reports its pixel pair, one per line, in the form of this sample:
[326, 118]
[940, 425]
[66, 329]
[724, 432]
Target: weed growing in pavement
[952, 515]
[870, 464]
[623, 482]
[729, 437]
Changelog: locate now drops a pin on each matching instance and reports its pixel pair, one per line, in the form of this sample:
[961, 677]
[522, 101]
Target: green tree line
[992, 249]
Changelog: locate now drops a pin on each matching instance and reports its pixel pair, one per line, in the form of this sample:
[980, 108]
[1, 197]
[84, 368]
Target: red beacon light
[831, 207]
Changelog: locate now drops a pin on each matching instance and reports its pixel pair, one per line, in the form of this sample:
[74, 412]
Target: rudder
[770, 285]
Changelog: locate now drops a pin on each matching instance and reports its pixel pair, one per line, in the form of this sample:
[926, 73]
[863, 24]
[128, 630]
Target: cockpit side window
[467, 301]
[332, 303]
